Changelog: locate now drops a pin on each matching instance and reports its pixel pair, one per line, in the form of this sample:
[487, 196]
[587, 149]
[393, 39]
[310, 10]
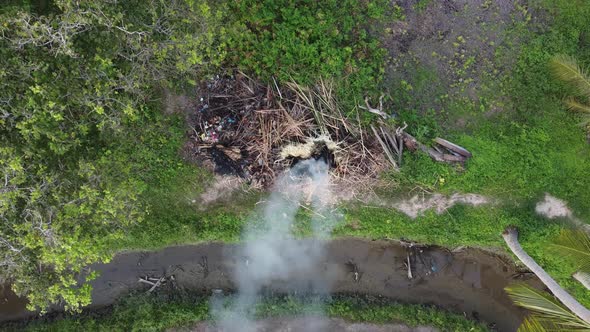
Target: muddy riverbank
[468, 281]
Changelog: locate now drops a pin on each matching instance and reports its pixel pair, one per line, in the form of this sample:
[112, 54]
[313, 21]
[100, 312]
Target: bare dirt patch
[553, 207]
[418, 204]
[452, 48]
[222, 189]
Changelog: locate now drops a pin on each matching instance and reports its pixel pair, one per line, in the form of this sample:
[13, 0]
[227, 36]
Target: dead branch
[409, 266]
[377, 111]
[154, 282]
[453, 147]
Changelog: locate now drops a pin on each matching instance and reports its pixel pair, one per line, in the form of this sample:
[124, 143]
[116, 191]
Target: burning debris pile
[244, 128]
[256, 131]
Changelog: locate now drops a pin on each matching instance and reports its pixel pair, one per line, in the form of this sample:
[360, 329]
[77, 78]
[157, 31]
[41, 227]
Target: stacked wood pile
[393, 139]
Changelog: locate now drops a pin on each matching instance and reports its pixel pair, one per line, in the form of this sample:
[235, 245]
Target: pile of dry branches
[256, 131]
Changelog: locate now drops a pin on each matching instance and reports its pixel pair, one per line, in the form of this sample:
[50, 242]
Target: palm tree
[548, 314]
[583, 278]
[575, 245]
[567, 69]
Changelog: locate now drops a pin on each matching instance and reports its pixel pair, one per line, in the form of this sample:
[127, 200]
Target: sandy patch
[440, 203]
[553, 207]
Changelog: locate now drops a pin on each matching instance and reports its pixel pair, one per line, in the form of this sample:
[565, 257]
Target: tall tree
[549, 313]
[567, 69]
[72, 79]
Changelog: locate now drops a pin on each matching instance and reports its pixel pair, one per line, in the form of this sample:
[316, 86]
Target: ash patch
[417, 205]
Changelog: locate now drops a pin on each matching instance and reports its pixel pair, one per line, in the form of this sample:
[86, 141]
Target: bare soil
[553, 207]
[418, 204]
[452, 48]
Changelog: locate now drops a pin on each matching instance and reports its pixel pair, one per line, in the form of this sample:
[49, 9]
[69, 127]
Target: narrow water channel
[469, 281]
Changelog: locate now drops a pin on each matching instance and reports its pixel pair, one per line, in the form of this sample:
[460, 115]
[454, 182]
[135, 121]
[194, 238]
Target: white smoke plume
[270, 253]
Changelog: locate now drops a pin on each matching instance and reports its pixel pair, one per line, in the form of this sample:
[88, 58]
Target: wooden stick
[385, 148]
[453, 147]
[146, 282]
[409, 266]
[157, 284]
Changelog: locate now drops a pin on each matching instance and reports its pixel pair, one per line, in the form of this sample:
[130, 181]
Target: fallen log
[413, 144]
[393, 144]
[453, 147]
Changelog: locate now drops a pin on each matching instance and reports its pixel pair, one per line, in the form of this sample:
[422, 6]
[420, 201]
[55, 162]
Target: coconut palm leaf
[566, 68]
[548, 314]
[531, 324]
[575, 244]
[574, 105]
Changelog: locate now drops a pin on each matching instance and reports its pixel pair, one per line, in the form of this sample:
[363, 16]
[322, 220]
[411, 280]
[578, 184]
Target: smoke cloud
[270, 253]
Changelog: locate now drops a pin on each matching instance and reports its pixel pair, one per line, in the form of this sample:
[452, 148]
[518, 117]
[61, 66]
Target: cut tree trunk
[413, 144]
[453, 147]
[511, 237]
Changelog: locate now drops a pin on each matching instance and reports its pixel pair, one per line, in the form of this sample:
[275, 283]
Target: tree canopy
[72, 80]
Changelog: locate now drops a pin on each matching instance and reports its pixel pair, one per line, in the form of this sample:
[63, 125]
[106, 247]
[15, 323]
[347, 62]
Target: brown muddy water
[467, 281]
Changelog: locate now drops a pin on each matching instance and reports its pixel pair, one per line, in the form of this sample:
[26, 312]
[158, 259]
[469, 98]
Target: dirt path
[469, 281]
[418, 204]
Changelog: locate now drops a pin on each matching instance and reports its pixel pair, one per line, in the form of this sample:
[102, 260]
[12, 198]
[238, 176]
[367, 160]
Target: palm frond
[531, 324]
[547, 312]
[566, 68]
[575, 244]
[574, 105]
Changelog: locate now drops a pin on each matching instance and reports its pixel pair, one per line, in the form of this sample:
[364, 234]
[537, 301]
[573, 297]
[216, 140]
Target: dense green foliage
[304, 40]
[85, 154]
[75, 87]
[148, 313]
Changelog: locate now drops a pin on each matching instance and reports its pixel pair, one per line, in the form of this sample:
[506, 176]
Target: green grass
[157, 313]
